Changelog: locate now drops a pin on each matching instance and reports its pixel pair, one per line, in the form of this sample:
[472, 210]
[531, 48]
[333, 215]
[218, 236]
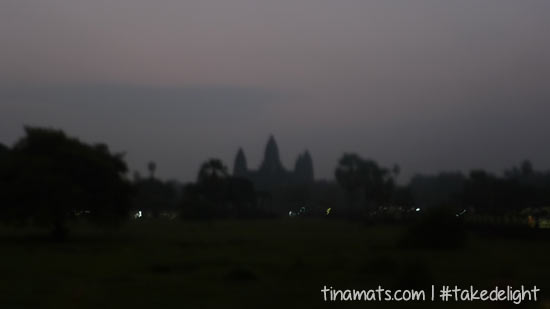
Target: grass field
[249, 264]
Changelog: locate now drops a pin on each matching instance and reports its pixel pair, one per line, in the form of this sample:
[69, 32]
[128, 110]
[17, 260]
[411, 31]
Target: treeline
[517, 189]
[48, 178]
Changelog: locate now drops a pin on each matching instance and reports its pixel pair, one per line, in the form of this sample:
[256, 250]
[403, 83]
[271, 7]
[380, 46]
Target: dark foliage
[154, 196]
[360, 176]
[518, 189]
[49, 178]
[441, 189]
[218, 195]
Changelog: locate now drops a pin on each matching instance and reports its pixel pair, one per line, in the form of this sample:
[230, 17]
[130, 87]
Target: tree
[356, 174]
[497, 195]
[52, 177]
[212, 170]
[216, 194]
[4, 152]
[444, 188]
[378, 183]
[154, 196]
[348, 175]
[3, 149]
[151, 166]
[4, 155]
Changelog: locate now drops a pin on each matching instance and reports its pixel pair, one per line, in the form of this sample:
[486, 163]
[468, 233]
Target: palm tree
[348, 175]
[213, 169]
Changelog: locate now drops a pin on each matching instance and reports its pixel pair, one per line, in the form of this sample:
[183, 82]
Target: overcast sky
[428, 84]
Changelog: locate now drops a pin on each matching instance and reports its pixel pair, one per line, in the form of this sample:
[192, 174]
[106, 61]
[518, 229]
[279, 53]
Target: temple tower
[240, 168]
[272, 162]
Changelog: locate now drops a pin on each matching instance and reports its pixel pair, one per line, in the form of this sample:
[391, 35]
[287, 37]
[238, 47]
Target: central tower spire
[272, 161]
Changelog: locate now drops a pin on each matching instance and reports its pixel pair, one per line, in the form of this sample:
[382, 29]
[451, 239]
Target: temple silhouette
[272, 173]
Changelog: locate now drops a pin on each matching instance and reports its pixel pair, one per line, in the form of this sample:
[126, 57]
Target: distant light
[417, 210]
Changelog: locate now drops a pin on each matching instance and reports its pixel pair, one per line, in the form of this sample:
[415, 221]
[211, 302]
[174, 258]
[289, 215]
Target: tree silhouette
[216, 194]
[4, 152]
[51, 178]
[348, 175]
[3, 149]
[151, 166]
[4, 155]
[355, 174]
[211, 170]
[154, 196]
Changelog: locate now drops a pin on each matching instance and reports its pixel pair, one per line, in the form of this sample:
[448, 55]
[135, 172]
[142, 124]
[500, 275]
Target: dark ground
[250, 264]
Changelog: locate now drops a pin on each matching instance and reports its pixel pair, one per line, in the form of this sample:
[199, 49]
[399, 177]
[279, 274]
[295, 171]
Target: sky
[430, 85]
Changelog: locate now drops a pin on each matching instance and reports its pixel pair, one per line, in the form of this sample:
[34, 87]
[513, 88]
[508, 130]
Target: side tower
[303, 169]
[240, 168]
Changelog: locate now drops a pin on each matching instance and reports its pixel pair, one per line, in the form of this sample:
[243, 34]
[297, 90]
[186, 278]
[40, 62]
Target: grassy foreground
[249, 264]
